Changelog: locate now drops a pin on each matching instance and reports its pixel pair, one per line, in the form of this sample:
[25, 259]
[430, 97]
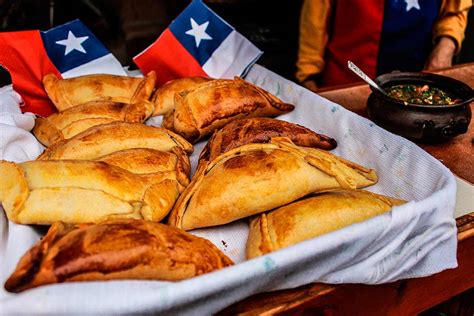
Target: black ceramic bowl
[422, 123]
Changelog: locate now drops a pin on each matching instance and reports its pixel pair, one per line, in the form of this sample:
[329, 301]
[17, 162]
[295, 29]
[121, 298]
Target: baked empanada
[77, 191]
[163, 98]
[153, 163]
[72, 121]
[313, 216]
[115, 250]
[261, 130]
[104, 139]
[209, 106]
[66, 93]
[255, 178]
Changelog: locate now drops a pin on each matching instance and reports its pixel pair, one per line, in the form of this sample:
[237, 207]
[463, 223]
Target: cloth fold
[16, 141]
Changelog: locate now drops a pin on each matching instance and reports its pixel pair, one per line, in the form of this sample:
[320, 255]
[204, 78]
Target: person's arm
[448, 33]
[313, 38]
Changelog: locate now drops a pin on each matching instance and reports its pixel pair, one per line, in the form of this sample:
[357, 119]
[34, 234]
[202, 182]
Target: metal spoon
[366, 78]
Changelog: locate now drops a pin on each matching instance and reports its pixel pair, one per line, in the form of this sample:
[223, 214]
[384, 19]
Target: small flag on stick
[198, 43]
[68, 50]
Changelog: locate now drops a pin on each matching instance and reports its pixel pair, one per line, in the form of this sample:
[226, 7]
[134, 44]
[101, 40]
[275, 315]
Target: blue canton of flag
[200, 31]
[75, 51]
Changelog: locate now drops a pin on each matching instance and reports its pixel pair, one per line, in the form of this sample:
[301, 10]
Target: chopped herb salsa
[418, 94]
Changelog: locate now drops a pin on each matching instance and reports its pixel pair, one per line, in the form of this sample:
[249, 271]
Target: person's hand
[442, 54]
[310, 84]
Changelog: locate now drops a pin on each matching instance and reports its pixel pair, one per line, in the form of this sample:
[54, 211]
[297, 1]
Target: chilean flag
[68, 50]
[198, 43]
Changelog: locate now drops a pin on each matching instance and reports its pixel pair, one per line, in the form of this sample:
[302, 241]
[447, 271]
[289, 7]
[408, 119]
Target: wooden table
[406, 297]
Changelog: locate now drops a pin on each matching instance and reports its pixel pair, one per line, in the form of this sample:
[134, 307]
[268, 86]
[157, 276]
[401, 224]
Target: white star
[73, 43]
[198, 31]
[412, 4]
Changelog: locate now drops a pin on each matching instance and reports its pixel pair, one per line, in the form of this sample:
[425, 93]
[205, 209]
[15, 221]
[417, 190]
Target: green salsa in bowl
[421, 94]
[423, 107]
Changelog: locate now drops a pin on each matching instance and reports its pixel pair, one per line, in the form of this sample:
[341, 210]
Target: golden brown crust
[70, 122]
[183, 166]
[138, 111]
[141, 160]
[66, 93]
[255, 178]
[145, 88]
[313, 216]
[168, 121]
[46, 132]
[77, 191]
[118, 249]
[153, 163]
[14, 188]
[211, 105]
[104, 139]
[163, 98]
[261, 130]
[258, 240]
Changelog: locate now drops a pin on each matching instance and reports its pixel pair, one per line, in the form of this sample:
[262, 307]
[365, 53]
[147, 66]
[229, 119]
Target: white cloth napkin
[413, 240]
[16, 141]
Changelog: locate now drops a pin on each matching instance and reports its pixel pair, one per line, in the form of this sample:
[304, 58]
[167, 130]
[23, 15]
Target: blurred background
[128, 27]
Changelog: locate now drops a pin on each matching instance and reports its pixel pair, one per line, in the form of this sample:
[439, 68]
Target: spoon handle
[361, 74]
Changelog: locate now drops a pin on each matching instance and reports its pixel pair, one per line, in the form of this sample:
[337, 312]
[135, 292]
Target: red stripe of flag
[167, 56]
[24, 56]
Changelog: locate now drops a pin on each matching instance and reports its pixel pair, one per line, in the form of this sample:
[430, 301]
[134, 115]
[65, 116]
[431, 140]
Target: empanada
[66, 93]
[77, 191]
[163, 98]
[261, 130]
[313, 216]
[209, 106]
[104, 139]
[255, 178]
[72, 121]
[115, 250]
[153, 163]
